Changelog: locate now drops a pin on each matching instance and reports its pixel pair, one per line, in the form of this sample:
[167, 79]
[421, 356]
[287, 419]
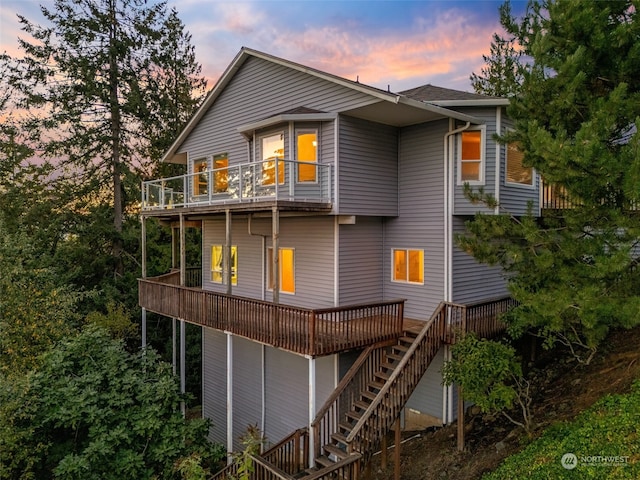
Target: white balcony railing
[265, 180]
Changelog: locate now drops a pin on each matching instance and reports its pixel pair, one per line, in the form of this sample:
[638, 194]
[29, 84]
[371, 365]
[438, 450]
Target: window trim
[306, 131]
[196, 175]
[269, 273]
[393, 266]
[216, 172]
[483, 146]
[263, 161]
[234, 261]
[528, 186]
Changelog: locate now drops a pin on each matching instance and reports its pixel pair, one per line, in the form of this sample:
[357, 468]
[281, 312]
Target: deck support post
[143, 320]
[183, 369]
[460, 420]
[275, 262]
[174, 345]
[229, 394]
[226, 260]
[312, 408]
[183, 252]
[175, 253]
[396, 466]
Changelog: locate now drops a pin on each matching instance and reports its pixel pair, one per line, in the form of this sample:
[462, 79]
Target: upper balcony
[250, 184]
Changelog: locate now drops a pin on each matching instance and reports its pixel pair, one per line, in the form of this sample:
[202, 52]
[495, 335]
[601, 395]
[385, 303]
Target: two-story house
[328, 210]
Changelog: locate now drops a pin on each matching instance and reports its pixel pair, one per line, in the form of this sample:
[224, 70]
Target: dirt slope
[563, 388]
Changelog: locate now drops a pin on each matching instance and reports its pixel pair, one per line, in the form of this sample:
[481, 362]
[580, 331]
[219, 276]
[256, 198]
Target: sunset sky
[400, 44]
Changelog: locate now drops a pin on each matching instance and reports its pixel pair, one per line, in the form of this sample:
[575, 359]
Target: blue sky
[402, 44]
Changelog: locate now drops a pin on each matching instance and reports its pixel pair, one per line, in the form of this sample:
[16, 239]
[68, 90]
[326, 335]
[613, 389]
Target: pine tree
[105, 92]
[574, 272]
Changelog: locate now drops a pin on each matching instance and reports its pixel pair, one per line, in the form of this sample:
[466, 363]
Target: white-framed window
[307, 151]
[471, 148]
[287, 266]
[201, 176]
[272, 150]
[220, 173]
[515, 172]
[218, 272]
[407, 265]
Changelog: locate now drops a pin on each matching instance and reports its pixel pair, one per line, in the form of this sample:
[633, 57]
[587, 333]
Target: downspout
[447, 393]
[498, 150]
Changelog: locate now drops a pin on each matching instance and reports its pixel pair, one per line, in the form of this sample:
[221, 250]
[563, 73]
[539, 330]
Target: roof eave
[488, 102]
[445, 112]
[249, 128]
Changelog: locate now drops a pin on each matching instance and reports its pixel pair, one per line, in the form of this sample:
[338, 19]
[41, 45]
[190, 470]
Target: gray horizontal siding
[462, 206]
[368, 174]
[287, 394]
[427, 397]
[313, 241]
[420, 223]
[247, 387]
[515, 198]
[473, 281]
[361, 254]
[214, 383]
[258, 90]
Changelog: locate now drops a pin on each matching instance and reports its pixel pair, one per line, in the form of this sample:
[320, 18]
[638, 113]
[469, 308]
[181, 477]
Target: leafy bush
[92, 410]
[491, 377]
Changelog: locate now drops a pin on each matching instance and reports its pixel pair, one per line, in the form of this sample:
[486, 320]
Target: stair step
[339, 438]
[345, 428]
[369, 395]
[405, 340]
[383, 375]
[388, 366]
[401, 349]
[395, 357]
[375, 385]
[352, 414]
[361, 404]
[338, 452]
[324, 461]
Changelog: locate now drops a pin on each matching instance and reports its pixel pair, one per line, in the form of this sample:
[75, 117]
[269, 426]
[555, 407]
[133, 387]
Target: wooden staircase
[350, 426]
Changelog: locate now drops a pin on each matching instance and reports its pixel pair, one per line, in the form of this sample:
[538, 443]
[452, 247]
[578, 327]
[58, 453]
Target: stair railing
[326, 420]
[379, 417]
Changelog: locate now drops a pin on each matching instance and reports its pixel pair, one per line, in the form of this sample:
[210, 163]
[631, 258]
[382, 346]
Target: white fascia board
[490, 102]
[445, 112]
[249, 128]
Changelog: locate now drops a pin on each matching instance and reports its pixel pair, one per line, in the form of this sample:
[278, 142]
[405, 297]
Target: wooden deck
[313, 332]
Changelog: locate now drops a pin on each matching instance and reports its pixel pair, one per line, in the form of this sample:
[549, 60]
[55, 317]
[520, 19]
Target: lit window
[272, 150]
[516, 171]
[201, 176]
[220, 173]
[408, 266]
[470, 165]
[217, 264]
[286, 261]
[307, 143]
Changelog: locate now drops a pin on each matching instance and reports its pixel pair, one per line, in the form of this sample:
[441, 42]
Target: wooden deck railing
[282, 461]
[314, 332]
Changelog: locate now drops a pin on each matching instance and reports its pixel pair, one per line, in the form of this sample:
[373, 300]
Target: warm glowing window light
[287, 269]
[408, 266]
[307, 147]
[217, 268]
